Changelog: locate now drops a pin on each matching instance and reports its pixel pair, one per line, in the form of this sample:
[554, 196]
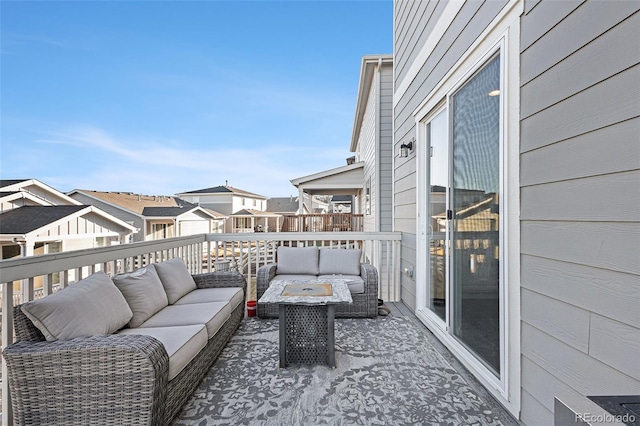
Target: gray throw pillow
[176, 279]
[340, 261]
[297, 260]
[92, 306]
[144, 293]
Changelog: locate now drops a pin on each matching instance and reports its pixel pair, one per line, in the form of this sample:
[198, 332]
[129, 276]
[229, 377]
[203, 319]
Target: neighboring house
[229, 200]
[37, 219]
[368, 174]
[519, 200]
[372, 142]
[344, 180]
[154, 216]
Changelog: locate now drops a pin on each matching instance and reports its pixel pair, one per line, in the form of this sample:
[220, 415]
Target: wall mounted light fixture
[406, 148]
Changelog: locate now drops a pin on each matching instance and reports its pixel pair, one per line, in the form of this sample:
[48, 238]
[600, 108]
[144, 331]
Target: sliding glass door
[437, 205]
[463, 206]
[475, 225]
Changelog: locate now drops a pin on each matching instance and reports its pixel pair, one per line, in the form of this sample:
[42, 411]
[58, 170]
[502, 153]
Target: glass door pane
[438, 184]
[475, 110]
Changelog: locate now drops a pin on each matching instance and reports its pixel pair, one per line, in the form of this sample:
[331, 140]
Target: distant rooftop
[7, 182]
[283, 204]
[223, 189]
[138, 202]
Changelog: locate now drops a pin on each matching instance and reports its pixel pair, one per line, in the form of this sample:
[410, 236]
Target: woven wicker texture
[365, 305]
[106, 380]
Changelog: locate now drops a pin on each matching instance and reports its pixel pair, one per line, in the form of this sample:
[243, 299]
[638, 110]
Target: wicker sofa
[124, 350]
[306, 263]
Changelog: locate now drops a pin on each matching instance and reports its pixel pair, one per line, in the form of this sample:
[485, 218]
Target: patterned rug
[387, 373]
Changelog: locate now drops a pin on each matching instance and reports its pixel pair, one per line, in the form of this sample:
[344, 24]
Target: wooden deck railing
[324, 222]
[24, 279]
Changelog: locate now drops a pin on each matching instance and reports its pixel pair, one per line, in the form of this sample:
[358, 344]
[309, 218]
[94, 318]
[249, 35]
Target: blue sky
[168, 96]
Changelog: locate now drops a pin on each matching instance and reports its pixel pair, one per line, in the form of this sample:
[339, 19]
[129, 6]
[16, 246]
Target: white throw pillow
[92, 306]
[144, 293]
[176, 279]
[340, 261]
[297, 260]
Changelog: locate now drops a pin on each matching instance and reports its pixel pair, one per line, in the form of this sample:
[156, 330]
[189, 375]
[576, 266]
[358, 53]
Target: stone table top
[340, 293]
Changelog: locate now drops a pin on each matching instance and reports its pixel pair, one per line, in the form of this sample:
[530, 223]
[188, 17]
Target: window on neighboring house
[159, 230]
[243, 222]
[367, 197]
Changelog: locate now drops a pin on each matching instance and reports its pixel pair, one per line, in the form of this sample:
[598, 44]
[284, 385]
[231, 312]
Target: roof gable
[35, 188]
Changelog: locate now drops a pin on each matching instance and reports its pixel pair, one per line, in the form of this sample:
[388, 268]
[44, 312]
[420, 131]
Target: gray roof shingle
[29, 218]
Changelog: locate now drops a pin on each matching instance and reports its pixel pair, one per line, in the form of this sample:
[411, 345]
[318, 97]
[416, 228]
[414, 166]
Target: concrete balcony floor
[389, 371]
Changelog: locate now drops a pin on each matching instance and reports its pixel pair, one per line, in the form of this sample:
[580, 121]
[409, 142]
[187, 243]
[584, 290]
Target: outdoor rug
[387, 373]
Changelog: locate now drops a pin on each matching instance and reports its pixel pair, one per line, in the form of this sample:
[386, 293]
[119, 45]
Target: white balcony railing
[24, 279]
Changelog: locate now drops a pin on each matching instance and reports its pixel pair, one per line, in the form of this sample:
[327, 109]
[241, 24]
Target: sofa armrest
[264, 275]
[369, 275]
[111, 379]
[220, 279]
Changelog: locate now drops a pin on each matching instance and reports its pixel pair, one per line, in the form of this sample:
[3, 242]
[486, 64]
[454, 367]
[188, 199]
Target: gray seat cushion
[354, 282]
[175, 278]
[182, 343]
[212, 314]
[233, 295]
[144, 293]
[297, 260]
[89, 307]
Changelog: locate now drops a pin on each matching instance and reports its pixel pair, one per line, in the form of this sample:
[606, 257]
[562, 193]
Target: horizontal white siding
[386, 150]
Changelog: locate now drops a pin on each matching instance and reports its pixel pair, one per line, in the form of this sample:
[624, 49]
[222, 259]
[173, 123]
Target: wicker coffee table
[306, 319]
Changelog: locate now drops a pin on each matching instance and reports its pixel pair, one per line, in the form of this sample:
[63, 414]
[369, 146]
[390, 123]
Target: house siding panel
[420, 21]
[536, 413]
[591, 199]
[543, 387]
[580, 185]
[608, 293]
[386, 149]
[560, 320]
[546, 15]
[614, 100]
[576, 369]
[584, 25]
[367, 146]
[589, 65]
[603, 151]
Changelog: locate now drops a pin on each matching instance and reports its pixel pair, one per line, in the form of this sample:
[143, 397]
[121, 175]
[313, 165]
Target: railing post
[7, 338]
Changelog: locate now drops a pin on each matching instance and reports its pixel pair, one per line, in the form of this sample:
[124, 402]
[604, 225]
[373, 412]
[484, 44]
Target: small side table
[306, 322]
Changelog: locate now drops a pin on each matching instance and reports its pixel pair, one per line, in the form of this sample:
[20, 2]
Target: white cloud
[168, 167]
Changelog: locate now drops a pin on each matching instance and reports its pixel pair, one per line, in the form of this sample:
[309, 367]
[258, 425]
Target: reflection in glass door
[437, 204]
[475, 204]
